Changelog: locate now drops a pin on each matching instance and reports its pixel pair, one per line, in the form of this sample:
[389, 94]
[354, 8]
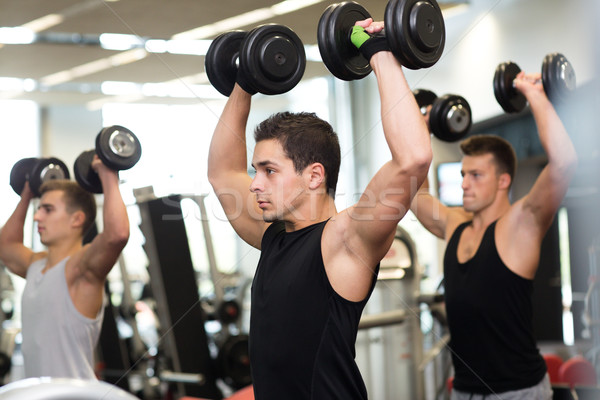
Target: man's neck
[321, 209]
[483, 218]
[59, 252]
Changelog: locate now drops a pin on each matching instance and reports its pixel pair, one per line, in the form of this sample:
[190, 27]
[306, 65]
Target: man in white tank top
[63, 297]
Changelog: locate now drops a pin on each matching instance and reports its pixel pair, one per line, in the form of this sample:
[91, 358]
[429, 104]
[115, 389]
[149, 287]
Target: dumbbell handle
[535, 82]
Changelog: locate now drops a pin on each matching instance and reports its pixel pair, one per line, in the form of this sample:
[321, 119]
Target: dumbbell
[450, 116]
[228, 311]
[558, 80]
[117, 147]
[5, 364]
[414, 30]
[36, 171]
[233, 362]
[271, 56]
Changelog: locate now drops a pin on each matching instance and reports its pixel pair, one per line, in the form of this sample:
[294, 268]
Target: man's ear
[504, 181]
[78, 219]
[316, 175]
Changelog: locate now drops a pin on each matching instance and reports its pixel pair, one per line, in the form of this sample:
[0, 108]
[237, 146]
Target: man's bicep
[96, 259]
[241, 209]
[17, 258]
[546, 196]
[372, 222]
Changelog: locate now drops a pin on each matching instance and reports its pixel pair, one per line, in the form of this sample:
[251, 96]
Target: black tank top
[490, 319]
[302, 333]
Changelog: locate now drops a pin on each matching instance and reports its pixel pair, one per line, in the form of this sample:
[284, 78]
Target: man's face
[279, 189]
[54, 222]
[480, 182]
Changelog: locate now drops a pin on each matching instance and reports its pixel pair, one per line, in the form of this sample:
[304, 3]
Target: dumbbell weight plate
[85, 176]
[339, 55]
[507, 96]
[20, 173]
[228, 311]
[118, 148]
[5, 364]
[221, 62]
[558, 77]
[450, 118]
[44, 170]
[415, 31]
[234, 361]
[424, 98]
[273, 58]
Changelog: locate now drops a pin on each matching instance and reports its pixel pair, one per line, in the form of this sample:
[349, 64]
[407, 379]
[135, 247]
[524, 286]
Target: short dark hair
[76, 198]
[305, 139]
[504, 154]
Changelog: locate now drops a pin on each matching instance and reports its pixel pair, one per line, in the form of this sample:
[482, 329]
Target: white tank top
[58, 341]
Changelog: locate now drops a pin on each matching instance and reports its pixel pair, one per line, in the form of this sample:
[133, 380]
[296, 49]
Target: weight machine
[401, 346]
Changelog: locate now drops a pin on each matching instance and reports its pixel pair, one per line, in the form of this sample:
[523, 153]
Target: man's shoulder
[38, 258]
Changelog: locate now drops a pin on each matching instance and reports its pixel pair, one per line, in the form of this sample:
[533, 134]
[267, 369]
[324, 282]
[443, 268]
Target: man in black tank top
[318, 266]
[493, 254]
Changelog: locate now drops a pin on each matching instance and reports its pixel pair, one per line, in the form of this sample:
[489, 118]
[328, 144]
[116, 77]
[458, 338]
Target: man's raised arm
[388, 196]
[104, 250]
[548, 191]
[437, 218]
[228, 169]
[529, 218]
[13, 252]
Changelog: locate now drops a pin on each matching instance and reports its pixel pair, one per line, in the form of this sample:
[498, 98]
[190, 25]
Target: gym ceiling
[61, 58]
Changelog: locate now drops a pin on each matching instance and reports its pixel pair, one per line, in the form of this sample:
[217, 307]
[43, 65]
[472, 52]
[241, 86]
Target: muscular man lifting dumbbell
[492, 255]
[318, 266]
[62, 304]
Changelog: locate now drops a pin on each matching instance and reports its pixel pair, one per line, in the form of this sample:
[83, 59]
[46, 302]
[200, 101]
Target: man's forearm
[114, 212]
[403, 124]
[12, 232]
[228, 145]
[553, 134]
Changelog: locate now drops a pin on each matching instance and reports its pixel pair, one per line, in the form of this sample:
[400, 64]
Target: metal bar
[139, 347]
[434, 351]
[158, 289]
[215, 274]
[181, 377]
[382, 319]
